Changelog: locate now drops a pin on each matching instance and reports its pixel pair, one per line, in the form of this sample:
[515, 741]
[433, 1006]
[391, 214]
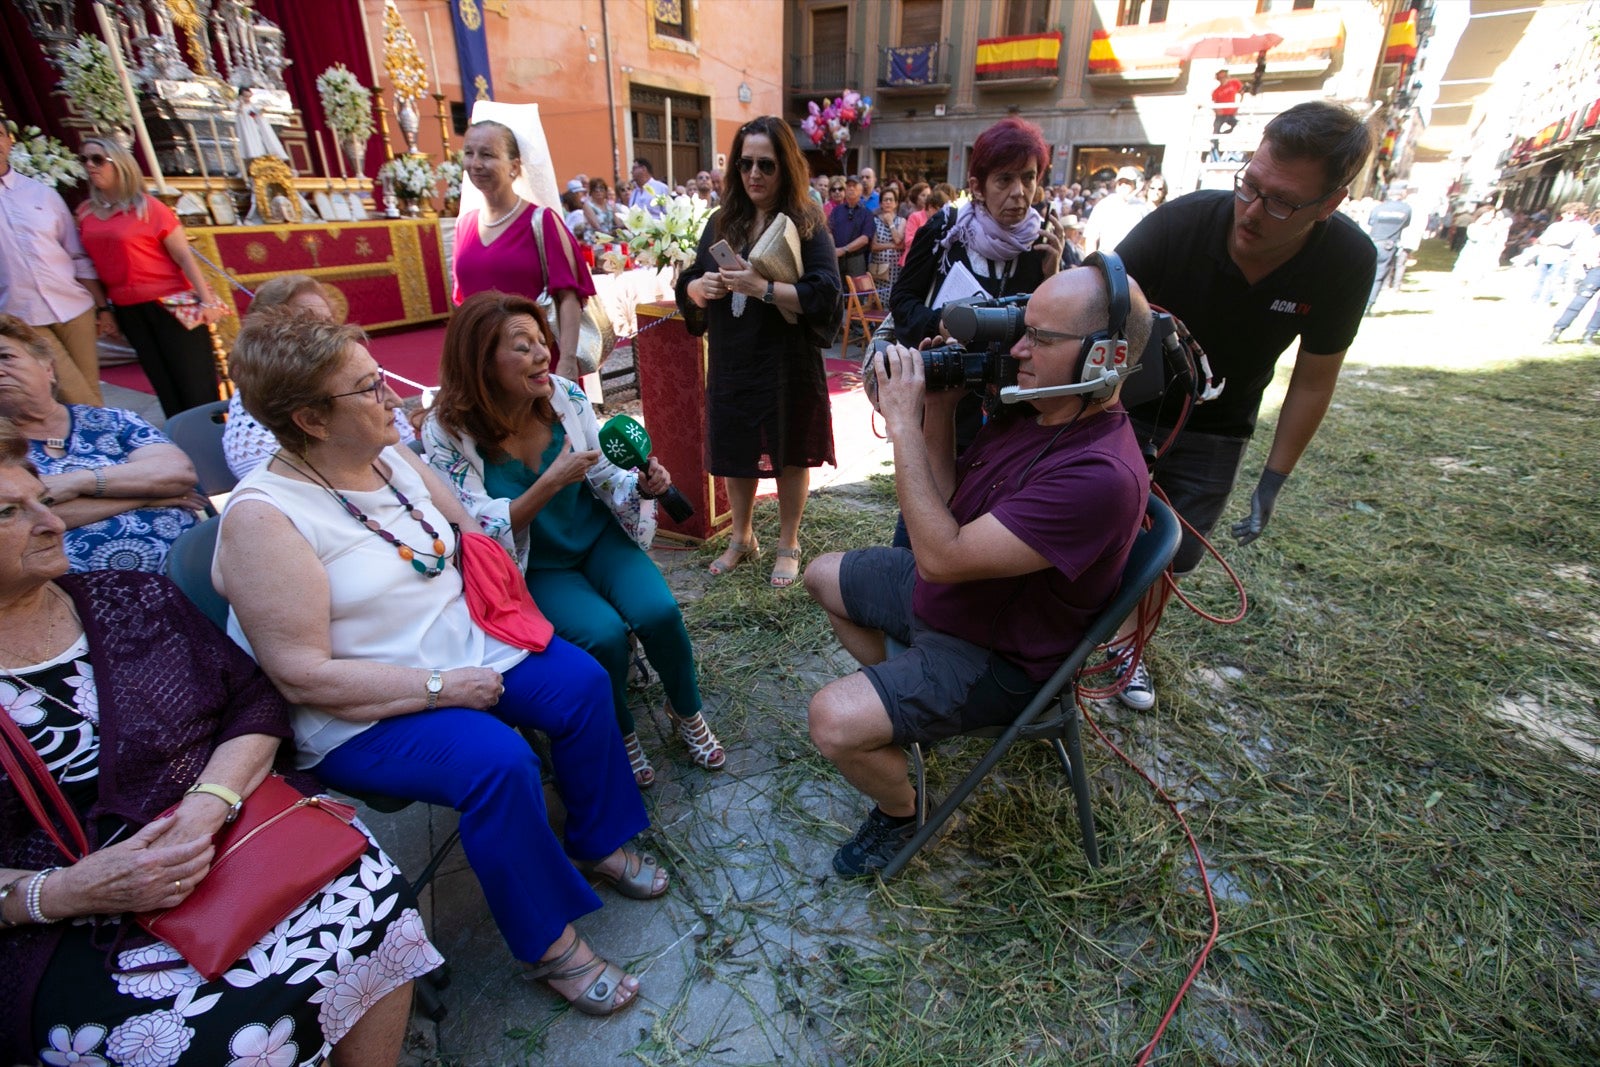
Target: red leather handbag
[275, 856]
[283, 847]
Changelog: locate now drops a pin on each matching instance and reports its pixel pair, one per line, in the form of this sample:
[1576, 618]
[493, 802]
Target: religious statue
[256, 136]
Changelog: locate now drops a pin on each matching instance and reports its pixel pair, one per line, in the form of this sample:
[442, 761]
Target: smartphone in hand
[725, 256]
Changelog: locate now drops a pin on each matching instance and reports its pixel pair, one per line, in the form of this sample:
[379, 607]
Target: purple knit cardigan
[172, 688]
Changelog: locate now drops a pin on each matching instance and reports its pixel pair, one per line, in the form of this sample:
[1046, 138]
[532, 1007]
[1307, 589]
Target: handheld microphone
[625, 442]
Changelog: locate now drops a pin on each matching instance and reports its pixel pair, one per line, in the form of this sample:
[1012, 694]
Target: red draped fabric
[316, 35]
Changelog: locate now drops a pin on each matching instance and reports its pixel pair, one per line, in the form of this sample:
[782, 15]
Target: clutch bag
[776, 254]
[497, 595]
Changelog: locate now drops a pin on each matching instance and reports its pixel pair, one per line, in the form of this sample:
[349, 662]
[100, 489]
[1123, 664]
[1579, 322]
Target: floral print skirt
[287, 1002]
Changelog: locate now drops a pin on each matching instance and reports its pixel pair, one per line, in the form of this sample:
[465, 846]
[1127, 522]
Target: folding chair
[1153, 550]
[198, 432]
[189, 566]
[862, 308]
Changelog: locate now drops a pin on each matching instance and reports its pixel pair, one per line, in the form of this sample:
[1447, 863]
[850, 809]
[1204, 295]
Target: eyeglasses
[769, 167]
[835, 188]
[1248, 192]
[375, 390]
[93, 159]
[1037, 336]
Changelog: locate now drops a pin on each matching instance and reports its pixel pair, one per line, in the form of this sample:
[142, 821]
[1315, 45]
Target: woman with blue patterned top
[123, 490]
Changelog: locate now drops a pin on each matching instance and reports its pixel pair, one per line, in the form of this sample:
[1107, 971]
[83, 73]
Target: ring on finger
[178, 884]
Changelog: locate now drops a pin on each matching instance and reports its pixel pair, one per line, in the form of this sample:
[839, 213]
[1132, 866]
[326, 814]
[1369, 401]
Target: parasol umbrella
[1222, 38]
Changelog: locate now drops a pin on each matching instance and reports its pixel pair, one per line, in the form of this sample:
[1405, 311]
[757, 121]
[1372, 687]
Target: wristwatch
[234, 801]
[435, 687]
[767, 299]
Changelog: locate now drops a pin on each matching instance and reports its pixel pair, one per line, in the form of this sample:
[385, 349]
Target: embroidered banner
[472, 51]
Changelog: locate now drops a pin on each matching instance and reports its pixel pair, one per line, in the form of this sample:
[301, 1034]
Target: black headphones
[1106, 350]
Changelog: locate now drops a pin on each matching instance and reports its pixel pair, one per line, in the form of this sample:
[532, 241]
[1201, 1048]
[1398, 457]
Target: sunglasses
[769, 167]
[93, 159]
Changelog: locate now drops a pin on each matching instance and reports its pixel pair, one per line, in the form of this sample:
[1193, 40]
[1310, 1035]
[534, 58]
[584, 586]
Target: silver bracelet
[35, 892]
[99, 482]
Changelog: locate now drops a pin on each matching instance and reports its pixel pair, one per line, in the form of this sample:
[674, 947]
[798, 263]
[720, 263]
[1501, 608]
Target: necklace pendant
[406, 553]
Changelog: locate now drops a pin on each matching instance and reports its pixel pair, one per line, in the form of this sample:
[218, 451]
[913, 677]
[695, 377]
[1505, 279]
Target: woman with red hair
[996, 237]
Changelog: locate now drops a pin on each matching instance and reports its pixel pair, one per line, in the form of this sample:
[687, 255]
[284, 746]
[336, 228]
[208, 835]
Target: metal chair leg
[1073, 757]
[922, 784]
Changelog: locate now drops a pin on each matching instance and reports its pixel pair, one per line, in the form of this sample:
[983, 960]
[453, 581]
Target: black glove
[1262, 502]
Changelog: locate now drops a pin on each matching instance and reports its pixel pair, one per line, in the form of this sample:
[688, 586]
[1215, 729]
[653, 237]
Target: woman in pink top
[496, 247]
[142, 255]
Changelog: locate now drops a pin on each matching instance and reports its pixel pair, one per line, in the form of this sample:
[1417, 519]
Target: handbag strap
[27, 770]
[538, 239]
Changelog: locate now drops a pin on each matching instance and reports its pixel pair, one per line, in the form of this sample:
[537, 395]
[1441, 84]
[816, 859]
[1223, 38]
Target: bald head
[1077, 301]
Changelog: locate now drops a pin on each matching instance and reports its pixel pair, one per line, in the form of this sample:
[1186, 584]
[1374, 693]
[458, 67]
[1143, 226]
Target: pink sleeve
[567, 269]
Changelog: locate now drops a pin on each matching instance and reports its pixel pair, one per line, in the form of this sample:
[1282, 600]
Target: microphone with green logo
[625, 442]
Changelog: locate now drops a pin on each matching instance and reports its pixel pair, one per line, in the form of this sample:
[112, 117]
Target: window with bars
[672, 18]
[1026, 16]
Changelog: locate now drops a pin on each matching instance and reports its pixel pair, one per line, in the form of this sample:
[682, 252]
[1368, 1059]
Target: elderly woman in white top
[336, 558]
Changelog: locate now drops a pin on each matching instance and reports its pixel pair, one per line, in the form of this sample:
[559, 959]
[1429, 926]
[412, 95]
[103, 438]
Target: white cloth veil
[537, 180]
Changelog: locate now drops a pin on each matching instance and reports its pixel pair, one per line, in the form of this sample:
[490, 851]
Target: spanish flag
[1031, 53]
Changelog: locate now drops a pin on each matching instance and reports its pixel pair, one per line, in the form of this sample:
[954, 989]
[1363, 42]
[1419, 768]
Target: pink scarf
[979, 233]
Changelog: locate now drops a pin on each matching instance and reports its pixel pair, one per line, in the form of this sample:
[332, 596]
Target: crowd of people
[362, 655]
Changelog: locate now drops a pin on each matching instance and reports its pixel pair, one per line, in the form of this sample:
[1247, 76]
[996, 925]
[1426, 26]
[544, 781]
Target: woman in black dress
[766, 391]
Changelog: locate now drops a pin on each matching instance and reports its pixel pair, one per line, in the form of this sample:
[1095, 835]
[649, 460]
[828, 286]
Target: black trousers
[177, 361]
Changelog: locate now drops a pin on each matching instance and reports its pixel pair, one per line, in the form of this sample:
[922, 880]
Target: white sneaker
[1139, 692]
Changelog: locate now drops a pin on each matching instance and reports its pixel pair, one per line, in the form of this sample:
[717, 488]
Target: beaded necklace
[491, 223]
[405, 551]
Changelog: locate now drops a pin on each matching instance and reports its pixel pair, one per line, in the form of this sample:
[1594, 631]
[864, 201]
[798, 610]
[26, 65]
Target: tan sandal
[704, 748]
[638, 877]
[644, 775]
[783, 581]
[740, 551]
[599, 998]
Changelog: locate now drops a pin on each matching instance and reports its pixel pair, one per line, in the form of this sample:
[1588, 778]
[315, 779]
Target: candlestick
[201, 156]
[366, 33]
[327, 171]
[338, 153]
[216, 139]
[383, 124]
[433, 57]
[444, 123]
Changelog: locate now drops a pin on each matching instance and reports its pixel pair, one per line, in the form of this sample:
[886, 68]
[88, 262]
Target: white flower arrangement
[450, 173]
[412, 176]
[90, 82]
[346, 103]
[670, 239]
[44, 158]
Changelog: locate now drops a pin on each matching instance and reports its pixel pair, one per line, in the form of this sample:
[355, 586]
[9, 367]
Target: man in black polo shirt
[1249, 272]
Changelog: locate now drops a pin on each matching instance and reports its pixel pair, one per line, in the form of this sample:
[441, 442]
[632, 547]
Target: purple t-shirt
[1079, 507]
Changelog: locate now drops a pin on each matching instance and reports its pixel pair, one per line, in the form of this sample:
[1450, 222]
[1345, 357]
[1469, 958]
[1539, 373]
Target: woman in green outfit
[521, 447]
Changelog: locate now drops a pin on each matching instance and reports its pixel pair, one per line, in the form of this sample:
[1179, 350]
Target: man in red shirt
[1226, 96]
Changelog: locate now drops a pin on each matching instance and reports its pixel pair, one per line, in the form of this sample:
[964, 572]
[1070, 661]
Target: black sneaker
[874, 845]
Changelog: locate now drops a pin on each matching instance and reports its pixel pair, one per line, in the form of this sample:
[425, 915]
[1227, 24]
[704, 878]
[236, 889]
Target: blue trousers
[617, 588]
[477, 763]
[1586, 290]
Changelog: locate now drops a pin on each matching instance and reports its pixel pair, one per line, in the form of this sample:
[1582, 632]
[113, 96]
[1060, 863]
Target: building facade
[1111, 83]
[671, 80]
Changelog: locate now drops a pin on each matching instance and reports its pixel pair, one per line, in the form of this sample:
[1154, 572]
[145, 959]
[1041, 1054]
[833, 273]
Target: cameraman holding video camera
[1019, 544]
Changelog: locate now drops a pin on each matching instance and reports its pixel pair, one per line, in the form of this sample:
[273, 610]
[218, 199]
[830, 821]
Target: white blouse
[381, 608]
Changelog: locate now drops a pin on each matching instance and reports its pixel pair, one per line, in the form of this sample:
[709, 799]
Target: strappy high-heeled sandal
[704, 748]
[599, 998]
[644, 775]
[742, 550]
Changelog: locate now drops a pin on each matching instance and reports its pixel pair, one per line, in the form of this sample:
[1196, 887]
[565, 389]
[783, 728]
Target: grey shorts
[1197, 474]
[940, 686]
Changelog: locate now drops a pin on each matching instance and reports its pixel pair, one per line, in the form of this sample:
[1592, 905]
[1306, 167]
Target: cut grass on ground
[1407, 872]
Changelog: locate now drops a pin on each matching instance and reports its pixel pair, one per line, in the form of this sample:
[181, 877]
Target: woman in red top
[142, 254]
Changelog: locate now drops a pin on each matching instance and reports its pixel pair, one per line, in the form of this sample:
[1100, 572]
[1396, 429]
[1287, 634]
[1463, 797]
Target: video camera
[982, 334]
